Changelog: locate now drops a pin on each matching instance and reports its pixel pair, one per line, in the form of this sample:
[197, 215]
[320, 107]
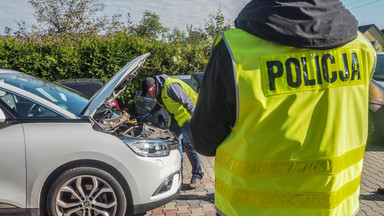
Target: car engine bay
[120, 123]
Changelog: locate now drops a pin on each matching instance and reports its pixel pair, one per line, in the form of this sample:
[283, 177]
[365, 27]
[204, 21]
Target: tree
[117, 25]
[7, 30]
[69, 16]
[202, 36]
[196, 36]
[150, 26]
[216, 24]
[176, 36]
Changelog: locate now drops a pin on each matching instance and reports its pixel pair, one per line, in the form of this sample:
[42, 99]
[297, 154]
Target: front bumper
[142, 208]
[153, 181]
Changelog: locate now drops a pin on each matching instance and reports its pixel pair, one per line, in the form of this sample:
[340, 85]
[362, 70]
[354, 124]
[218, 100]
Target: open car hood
[115, 85]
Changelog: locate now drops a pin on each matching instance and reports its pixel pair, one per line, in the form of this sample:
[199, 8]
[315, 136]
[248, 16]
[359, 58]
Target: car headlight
[148, 147]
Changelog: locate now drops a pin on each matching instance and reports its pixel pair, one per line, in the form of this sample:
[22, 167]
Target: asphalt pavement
[200, 201]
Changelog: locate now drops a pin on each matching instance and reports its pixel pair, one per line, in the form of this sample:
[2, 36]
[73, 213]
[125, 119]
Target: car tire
[373, 130]
[86, 191]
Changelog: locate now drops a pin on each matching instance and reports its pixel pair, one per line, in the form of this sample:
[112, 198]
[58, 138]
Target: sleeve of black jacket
[215, 111]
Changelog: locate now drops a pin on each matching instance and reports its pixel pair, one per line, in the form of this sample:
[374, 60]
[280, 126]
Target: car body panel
[196, 80]
[104, 148]
[376, 102]
[377, 83]
[184, 78]
[62, 148]
[145, 178]
[376, 95]
[115, 85]
[12, 161]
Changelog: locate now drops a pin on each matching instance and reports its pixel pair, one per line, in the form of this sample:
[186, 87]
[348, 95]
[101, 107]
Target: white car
[64, 155]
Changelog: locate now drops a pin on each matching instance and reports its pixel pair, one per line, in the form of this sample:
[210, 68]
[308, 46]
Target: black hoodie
[316, 24]
[313, 24]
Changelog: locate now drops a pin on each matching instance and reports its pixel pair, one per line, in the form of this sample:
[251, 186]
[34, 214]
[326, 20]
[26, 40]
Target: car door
[20, 116]
[12, 158]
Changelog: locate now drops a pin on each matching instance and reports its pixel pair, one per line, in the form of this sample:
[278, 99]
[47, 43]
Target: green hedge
[55, 58]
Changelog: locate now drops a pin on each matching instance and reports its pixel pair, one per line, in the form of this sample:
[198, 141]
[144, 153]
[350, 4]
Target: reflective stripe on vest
[301, 128]
[174, 108]
[288, 200]
[321, 166]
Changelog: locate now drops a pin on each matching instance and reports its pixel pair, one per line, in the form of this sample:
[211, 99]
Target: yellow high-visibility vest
[302, 122]
[174, 108]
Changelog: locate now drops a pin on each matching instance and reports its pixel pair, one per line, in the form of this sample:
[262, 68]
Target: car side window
[379, 70]
[24, 108]
[8, 99]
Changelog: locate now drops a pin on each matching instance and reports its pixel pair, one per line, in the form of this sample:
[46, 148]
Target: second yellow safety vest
[174, 108]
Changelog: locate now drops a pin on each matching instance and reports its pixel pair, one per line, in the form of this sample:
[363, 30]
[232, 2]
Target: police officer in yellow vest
[178, 99]
[284, 108]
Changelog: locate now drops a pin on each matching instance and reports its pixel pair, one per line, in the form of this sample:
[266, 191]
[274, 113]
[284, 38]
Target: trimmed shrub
[53, 58]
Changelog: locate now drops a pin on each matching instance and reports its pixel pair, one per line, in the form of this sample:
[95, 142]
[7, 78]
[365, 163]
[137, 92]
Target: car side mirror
[2, 116]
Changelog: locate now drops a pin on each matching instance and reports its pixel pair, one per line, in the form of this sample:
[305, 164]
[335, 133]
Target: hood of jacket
[314, 24]
[160, 81]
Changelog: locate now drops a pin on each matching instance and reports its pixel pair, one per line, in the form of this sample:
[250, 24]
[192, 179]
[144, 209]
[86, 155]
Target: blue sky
[179, 13]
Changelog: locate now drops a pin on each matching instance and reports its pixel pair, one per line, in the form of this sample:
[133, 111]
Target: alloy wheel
[86, 195]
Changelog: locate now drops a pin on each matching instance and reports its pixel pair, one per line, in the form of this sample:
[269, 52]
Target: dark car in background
[85, 86]
[376, 102]
[196, 80]
[142, 105]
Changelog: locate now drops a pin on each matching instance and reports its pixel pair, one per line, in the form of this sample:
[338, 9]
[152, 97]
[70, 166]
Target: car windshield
[379, 71]
[64, 98]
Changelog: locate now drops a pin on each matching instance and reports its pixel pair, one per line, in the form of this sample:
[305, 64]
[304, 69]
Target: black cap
[146, 84]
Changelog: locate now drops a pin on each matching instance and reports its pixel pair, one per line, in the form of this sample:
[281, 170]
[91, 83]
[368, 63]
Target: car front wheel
[86, 191]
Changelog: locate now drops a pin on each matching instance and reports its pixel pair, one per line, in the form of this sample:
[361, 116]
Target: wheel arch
[83, 163]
